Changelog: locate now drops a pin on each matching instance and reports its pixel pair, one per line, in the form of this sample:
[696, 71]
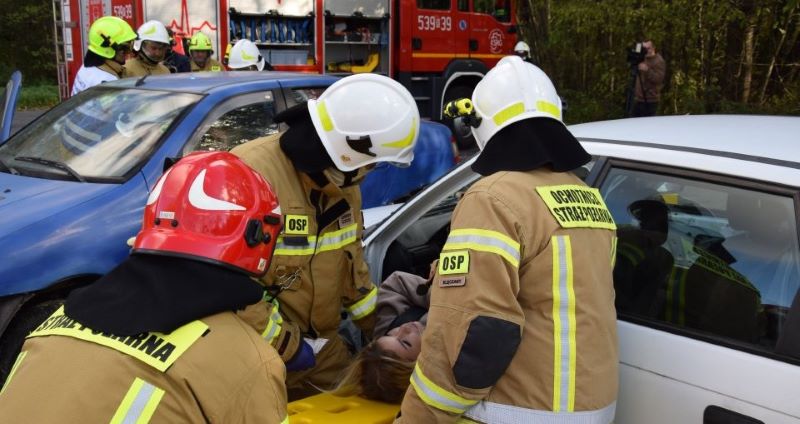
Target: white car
[708, 265]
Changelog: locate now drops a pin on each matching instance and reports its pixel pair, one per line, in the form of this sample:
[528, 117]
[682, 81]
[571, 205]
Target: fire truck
[438, 49]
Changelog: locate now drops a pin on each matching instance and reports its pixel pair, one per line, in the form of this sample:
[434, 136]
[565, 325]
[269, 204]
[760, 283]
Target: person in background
[649, 82]
[110, 41]
[245, 56]
[200, 50]
[319, 269]
[175, 60]
[522, 325]
[151, 48]
[522, 50]
[156, 339]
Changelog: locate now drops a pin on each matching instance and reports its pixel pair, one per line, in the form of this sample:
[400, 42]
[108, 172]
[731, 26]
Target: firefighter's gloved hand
[303, 359]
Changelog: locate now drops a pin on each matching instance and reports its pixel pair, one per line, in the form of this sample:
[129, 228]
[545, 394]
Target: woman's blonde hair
[376, 374]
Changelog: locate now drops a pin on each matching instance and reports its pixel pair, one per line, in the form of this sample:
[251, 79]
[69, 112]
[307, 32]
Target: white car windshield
[101, 134]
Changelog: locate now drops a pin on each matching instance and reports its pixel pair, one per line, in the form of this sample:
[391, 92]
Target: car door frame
[11, 95]
[648, 354]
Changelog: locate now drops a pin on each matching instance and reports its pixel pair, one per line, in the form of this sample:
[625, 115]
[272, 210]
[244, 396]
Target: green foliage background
[722, 56]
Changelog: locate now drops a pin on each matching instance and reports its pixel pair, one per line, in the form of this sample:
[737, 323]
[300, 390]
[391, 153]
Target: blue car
[74, 182]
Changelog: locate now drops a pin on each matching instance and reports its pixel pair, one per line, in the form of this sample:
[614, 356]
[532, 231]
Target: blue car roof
[205, 82]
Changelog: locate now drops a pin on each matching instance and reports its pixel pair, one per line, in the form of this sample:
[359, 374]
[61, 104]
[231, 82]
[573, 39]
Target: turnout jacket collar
[158, 293]
[113, 68]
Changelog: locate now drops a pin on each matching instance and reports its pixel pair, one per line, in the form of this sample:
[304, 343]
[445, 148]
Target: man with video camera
[649, 68]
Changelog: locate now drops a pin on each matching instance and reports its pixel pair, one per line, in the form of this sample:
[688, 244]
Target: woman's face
[404, 341]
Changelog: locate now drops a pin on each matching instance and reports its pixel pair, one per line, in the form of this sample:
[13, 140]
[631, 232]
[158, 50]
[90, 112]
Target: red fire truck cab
[438, 49]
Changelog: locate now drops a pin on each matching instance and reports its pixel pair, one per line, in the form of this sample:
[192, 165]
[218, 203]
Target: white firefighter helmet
[151, 31]
[244, 54]
[522, 47]
[512, 91]
[364, 119]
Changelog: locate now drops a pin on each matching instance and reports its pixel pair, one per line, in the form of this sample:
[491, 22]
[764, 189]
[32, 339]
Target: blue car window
[101, 134]
[720, 259]
[243, 119]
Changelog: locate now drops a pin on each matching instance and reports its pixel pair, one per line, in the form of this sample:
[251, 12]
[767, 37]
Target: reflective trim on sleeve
[436, 396]
[491, 412]
[273, 324]
[365, 305]
[139, 404]
[484, 241]
[613, 251]
[14, 367]
[326, 242]
[563, 326]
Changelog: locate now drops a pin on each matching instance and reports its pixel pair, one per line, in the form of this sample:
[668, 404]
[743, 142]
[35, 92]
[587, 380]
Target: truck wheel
[25, 321]
[466, 143]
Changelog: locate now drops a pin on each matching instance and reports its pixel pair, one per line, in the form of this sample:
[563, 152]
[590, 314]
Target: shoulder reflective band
[14, 367]
[365, 305]
[139, 404]
[158, 350]
[576, 206]
[436, 396]
[329, 241]
[484, 241]
[564, 326]
[456, 262]
[296, 225]
[273, 323]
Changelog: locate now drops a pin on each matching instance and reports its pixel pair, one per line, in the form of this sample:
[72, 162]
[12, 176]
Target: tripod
[634, 72]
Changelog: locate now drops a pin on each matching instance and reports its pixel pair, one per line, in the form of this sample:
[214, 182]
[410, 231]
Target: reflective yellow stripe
[405, 141]
[436, 396]
[324, 118]
[632, 253]
[139, 403]
[158, 350]
[14, 367]
[613, 251]
[285, 420]
[508, 113]
[365, 305]
[327, 242]
[676, 296]
[548, 108]
[564, 326]
[273, 323]
[484, 241]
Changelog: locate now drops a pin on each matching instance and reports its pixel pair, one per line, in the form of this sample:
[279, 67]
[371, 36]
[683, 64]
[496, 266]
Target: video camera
[636, 54]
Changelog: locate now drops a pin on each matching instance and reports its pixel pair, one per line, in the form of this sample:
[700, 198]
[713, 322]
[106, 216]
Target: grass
[38, 96]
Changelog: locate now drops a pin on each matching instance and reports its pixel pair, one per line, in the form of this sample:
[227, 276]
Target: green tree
[26, 40]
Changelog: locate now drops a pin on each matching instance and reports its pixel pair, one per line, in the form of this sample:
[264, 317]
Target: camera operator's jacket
[522, 326]
[213, 370]
[318, 258]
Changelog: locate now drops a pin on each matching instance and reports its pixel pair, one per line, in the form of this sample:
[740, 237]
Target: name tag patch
[454, 262]
[453, 281]
[296, 225]
[346, 219]
[575, 206]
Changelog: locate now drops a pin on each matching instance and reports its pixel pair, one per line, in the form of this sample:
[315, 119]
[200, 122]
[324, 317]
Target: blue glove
[303, 359]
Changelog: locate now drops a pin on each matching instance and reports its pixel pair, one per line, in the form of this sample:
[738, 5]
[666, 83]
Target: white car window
[704, 256]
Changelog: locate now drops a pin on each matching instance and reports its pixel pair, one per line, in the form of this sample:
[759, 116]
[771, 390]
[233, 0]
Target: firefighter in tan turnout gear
[522, 326]
[156, 339]
[318, 267]
[151, 48]
[200, 51]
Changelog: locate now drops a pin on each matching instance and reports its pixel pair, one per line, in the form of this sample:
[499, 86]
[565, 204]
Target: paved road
[22, 117]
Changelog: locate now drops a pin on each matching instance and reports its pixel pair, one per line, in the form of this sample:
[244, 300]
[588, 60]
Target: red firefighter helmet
[212, 207]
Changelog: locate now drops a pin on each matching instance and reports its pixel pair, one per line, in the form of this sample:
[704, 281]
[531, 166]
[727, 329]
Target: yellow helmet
[109, 34]
[200, 41]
